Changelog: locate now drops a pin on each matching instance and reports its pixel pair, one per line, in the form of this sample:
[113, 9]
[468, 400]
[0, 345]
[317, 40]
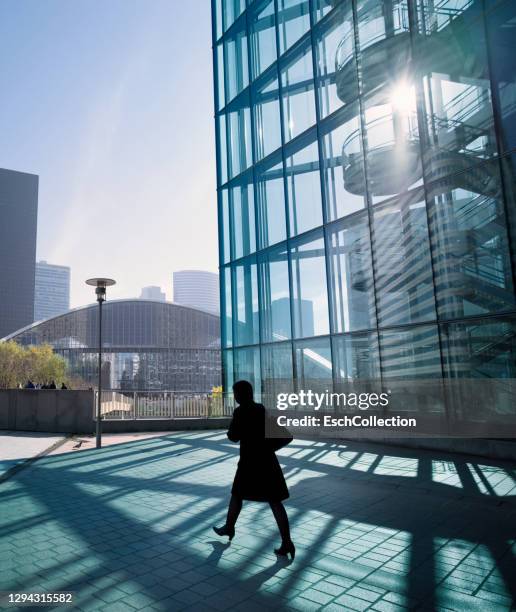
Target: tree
[37, 363]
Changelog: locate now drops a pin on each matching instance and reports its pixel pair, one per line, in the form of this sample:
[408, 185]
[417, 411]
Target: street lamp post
[100, 285]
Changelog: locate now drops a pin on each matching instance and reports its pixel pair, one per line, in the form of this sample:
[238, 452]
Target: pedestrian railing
[120, 404]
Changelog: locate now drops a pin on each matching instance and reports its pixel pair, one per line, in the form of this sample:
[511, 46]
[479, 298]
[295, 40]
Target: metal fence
[117, 404]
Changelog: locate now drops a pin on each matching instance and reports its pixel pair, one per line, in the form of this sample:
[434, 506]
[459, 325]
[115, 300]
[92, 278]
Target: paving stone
[129, 528]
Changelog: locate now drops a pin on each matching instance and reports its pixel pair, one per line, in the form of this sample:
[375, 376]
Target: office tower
[366, 165]
[198, 289]
[18, 226]
[153, 293]
[52, 292]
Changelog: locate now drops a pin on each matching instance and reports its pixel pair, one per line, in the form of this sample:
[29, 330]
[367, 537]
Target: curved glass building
[366, 188]
[147, 345]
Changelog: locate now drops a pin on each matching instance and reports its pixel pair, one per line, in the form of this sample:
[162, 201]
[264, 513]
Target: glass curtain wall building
[147, 345]
[366, 188]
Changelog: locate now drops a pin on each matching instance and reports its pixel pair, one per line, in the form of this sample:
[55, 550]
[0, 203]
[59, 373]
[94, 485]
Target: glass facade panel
[263, 37]
[304, 190]
[267, 119]
[244, 233]
[239, 138]
[351, 276]
[410, 353]
[458, 113]
[297, 86]
[276, 368]
[402, 262]
[247, 367]
[270, 202]
[337, 76]
[222, 150]
[501, 28]
[313, 363]
[237, 66]
[274, 296]
[231, 10]
[344, 179]
[246, 293]
[226, 308]
[472, 265]
[310, 295]
[480, 348]
[293, 21]
[220, 76]
[384, 134]
[225, 230]
[356, 356]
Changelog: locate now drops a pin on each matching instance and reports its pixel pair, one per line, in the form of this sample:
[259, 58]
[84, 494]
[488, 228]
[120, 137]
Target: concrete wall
[123, 426]
[59, 411]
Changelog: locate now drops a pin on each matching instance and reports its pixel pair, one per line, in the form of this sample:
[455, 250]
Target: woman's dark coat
[258, 476]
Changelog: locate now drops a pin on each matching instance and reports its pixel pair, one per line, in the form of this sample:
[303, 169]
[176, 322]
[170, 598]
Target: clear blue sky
[110, 103]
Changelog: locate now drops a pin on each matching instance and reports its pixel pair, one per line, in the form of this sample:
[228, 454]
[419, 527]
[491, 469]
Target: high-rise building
[18, 227]
[153, 293]
[52, 293]
[198, 289]
[366, 164]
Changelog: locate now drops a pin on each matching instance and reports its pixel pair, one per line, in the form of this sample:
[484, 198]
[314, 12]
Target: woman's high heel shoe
[225, 530]
[286, 549]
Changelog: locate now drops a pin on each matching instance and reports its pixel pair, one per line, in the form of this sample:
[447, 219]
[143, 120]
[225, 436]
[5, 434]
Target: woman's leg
[280, 514]
[235, 505]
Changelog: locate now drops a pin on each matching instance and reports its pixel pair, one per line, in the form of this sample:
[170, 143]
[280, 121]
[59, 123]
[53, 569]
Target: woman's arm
[234, 426]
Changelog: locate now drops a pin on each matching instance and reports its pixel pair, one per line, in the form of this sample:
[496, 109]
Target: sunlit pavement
[376, 527]
[17, 446]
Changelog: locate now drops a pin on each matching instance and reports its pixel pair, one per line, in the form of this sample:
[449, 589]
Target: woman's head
[243, 391]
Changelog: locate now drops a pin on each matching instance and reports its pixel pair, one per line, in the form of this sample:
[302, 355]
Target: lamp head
[100, 285]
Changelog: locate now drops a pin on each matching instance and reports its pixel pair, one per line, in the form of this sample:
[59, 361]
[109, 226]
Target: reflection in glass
[457, 99]
[356, 356]
[343, 165]
[275, 295]
[247, 367]
[410, 353]
[263, 38]
[313, 363]
[226, 309]
[277, 372]
[244, 234]
[310, 295]
[239, 138]
[304, 190]
[267, 119]
[270, 202]
[469, 238]
[237, 72]
[225, 229]
[501, 28]
[246, 301]
[336, 48]
[298, 96]
[351, 277]
[401, 255]
[480, 348]
[293, 21]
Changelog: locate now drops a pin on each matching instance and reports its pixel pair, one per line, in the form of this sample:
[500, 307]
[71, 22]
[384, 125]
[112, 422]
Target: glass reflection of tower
[365, 167]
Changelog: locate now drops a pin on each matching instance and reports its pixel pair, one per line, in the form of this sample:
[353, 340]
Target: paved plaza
[378, 528]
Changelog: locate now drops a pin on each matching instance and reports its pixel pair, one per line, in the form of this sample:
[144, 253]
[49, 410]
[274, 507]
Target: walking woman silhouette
[258, 476]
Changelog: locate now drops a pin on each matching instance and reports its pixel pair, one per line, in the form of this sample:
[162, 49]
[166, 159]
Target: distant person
[258, 476]
[30, 385]
[52, 385]
[63, 386]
